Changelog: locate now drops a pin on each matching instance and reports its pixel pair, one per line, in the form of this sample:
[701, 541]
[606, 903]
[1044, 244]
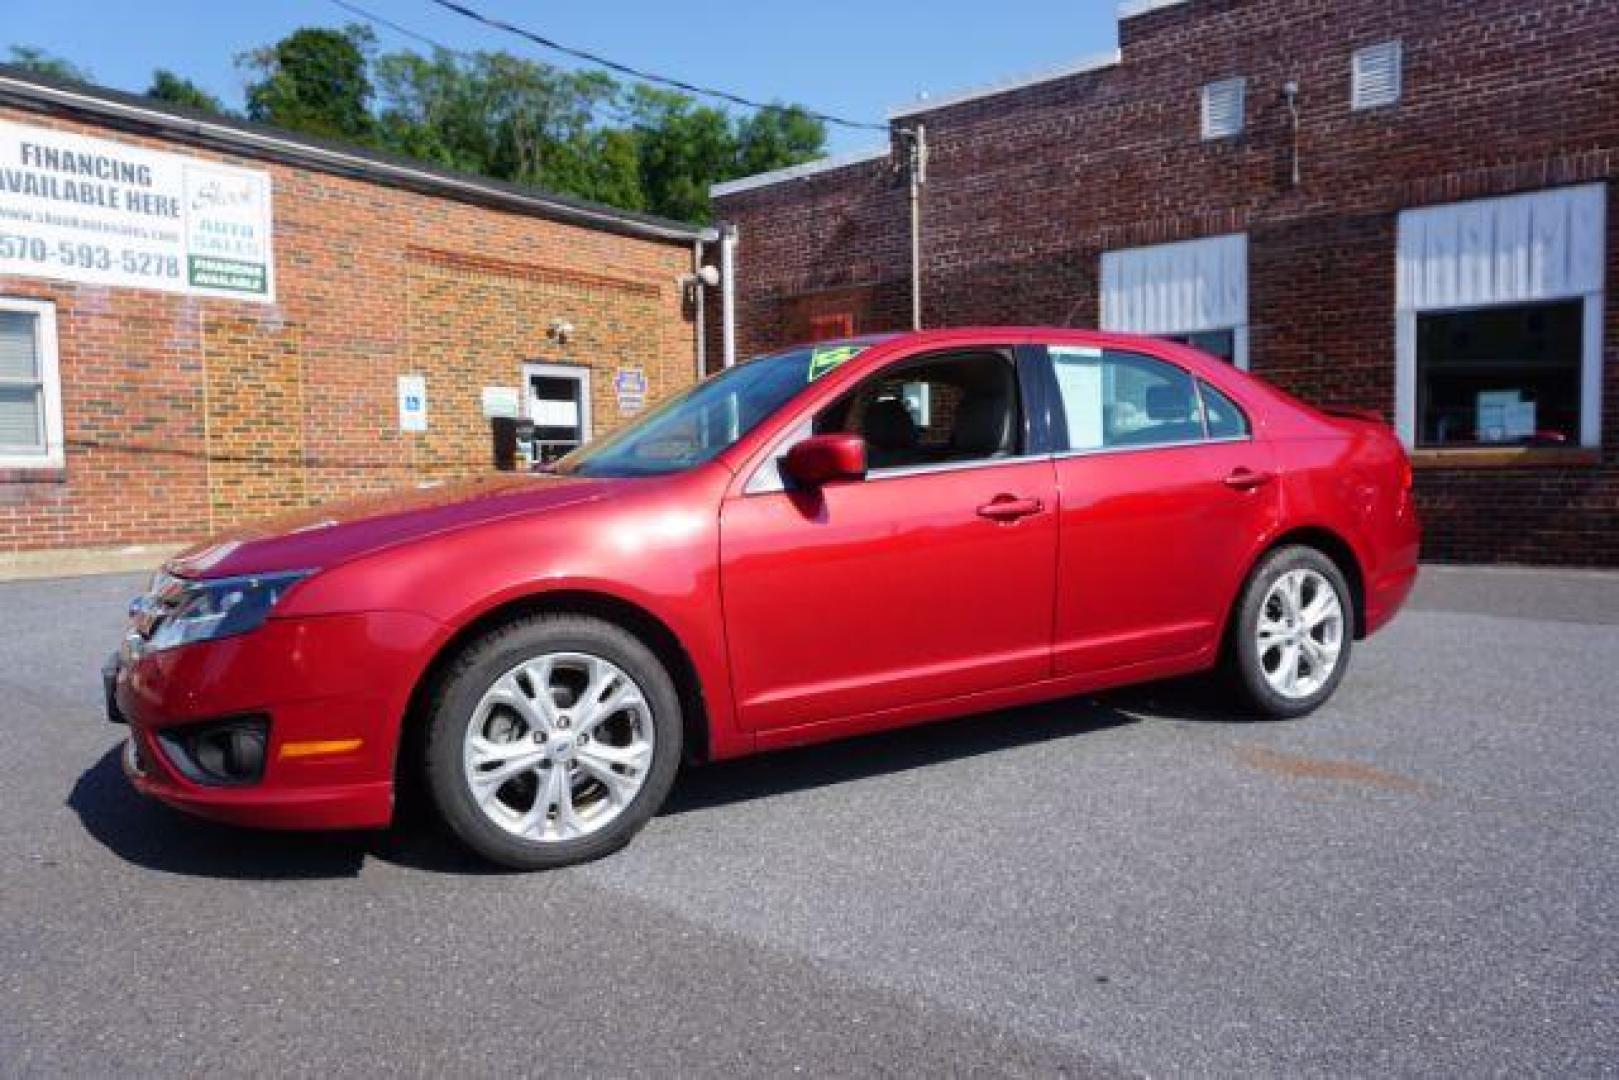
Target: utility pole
[916, 168]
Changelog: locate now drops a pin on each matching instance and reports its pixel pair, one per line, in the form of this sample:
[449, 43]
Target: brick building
[1395, 205]
[203, 321]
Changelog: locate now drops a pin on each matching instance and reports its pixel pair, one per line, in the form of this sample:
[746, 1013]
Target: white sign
[412, 403]
[500, 401]
[1503, 416]
[549, 412]
[629, 387]
[104, 213]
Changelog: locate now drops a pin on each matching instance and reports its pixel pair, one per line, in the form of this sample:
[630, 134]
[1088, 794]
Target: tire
[499, 754]
[1259, 671]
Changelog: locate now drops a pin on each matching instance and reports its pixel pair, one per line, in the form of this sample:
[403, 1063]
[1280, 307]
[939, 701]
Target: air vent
[1222, 108]
[1375, 76]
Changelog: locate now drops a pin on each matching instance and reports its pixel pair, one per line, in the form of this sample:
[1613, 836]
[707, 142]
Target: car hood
[324, 536]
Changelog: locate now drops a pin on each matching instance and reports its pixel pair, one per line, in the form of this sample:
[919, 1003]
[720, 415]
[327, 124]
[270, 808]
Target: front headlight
[180, 612]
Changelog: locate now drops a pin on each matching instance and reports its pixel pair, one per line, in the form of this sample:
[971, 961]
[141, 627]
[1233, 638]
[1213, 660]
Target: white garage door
[1195, 291]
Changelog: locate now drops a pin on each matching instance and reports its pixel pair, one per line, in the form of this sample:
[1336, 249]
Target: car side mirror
[821, 459]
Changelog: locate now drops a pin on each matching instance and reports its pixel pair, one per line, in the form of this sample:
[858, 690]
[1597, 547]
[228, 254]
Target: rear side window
[1220, 413]
[1115, 399]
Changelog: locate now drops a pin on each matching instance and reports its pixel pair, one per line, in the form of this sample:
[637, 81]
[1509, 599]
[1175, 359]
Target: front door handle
[1010, 508]
[1243, 478]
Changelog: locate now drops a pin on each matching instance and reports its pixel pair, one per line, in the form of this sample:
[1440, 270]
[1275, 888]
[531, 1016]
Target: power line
[464, 54]
[370, 17]
[645, 76]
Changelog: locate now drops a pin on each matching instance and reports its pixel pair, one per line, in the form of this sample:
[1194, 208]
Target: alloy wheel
[1300, 633]
[558, 746]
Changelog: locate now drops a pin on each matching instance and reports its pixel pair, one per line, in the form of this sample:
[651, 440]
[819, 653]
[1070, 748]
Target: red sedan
[830, 540]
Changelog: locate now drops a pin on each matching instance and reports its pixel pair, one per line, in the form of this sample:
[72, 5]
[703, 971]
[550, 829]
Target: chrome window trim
[899, 472]
[761, 483]
[1181, 444]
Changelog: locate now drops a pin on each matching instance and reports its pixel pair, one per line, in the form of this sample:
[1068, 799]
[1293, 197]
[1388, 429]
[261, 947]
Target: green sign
[824, 360]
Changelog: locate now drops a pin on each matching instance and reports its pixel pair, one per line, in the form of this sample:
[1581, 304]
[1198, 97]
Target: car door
[1164, 492]
[929, 579]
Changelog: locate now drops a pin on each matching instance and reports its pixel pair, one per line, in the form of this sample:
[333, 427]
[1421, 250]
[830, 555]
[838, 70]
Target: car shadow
[826, 764]
[148, 834]
[1203, 699]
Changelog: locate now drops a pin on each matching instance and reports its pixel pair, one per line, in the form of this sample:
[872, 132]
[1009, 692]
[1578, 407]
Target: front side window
[1116, 399]
[29, 418]
[941, 410]
[695, 426]
[1499, 375]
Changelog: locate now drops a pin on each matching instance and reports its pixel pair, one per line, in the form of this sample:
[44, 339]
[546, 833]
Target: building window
[30, 395]
[830, 327]
[1217, 343]
[1194, 292]
[1498, 320]
[1374, 77]
[559, 406]
[1222, 108]
[1499, 375]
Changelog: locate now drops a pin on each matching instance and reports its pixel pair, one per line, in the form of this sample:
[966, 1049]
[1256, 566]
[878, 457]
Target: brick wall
[1028, 188]
[183, 415]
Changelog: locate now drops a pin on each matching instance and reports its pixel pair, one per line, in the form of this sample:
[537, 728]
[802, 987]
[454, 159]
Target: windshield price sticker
[824, 360]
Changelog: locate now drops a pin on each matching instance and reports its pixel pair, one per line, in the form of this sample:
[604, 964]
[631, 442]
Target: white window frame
[51, 386]
[577, 372]
[1438, 271]
[1163, 290]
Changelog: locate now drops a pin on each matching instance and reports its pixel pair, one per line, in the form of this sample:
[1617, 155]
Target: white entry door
[559, 405]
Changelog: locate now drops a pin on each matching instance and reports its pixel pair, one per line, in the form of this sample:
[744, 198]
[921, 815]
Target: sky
[849, 58]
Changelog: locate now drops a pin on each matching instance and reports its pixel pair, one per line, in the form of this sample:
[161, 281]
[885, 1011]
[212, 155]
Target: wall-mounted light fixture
[1290, 97]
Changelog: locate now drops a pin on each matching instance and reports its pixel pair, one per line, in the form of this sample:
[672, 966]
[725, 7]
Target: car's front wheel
[1293, 630]
[552, 740]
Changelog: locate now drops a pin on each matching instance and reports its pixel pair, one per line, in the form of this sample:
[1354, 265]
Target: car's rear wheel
[1292, 632]
[552, 740]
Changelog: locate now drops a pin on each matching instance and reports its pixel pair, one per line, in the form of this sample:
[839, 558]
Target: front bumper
[334, 689]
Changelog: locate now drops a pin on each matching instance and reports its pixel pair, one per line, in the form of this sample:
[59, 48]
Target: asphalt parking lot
[1422, 878]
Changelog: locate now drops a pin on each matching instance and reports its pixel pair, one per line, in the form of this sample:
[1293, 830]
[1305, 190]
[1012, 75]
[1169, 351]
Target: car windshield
[692, 427]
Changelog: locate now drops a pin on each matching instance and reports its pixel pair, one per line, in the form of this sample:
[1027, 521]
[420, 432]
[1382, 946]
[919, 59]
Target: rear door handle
[1010, 508]
[1243, 478]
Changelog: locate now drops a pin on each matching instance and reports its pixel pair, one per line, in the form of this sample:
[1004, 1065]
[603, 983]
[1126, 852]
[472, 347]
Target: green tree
[775, 138]
[684, 147]
[314, 80]
[495, 114]
[434, 108]
[510, 118]
[178, 90]
[39, 62]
